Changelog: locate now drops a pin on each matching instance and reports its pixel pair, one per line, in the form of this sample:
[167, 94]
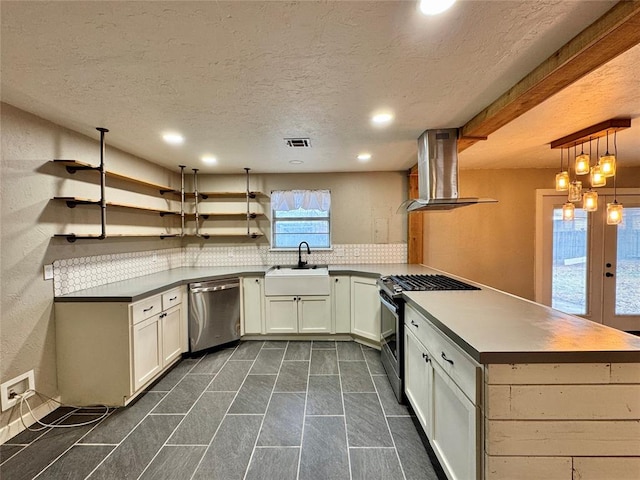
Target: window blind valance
[289, 200]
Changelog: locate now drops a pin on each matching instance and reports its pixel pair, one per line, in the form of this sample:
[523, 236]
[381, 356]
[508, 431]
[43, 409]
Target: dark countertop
[490, 325]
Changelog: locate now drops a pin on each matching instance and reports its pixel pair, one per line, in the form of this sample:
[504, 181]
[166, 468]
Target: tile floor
[262, 410]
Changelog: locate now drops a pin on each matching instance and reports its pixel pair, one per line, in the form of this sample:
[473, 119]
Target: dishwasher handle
[214, 286]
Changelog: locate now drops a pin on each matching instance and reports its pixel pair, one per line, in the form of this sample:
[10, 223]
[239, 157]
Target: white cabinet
[305, 314]
[341, 304]
[282, 314]
[171, 327]
[108, 352]
[253, 305]
[314, 314]
[443, 385]
[418, 379]
[365, 308]
[455, 434]
[147, 350]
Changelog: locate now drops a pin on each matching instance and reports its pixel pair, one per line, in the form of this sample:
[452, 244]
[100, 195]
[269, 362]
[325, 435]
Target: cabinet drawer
[462, 369]
[146, 308]
[171, 298]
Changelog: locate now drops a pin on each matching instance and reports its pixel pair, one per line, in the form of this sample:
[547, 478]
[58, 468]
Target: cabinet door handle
[446, 359]
[257, 280]
[414, 324]
[426, 357]
[162, 315]
[173, 298]
[148, 309]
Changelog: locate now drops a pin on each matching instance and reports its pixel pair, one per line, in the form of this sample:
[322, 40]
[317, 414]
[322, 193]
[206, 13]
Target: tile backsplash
[73, 274]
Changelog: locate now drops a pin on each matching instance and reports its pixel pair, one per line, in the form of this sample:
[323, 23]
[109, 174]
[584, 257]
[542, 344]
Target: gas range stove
[394, 285]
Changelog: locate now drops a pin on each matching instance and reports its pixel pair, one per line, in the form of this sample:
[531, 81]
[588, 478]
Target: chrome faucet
[302, 264]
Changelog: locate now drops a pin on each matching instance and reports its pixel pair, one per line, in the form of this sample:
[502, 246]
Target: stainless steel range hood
[438, 173]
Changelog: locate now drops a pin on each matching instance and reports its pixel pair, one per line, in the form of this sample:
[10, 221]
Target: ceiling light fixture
[173, 138]
[364, 157]
[434, 7]
[383, 118]
[296, 162]
[606, 167]
[209, 159]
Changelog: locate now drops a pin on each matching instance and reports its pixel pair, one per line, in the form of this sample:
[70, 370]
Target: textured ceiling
[235, 78]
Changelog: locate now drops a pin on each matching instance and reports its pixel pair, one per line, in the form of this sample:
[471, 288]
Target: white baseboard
[15, 427]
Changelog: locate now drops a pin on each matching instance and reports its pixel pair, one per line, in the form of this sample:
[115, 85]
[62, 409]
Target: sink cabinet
[108, 352]
[298, 314]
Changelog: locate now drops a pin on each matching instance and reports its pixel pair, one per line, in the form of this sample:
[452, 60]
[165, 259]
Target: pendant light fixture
[614, 209]
[605, 167]
[590, 201]
[597, 177]
[607, 162]
[568, 211]
[562, 178]
[583, 161]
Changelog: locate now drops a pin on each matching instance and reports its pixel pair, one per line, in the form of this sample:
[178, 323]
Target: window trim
[291, 249]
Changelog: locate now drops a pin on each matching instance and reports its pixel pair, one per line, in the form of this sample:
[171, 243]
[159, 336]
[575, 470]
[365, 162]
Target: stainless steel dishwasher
[214, 313]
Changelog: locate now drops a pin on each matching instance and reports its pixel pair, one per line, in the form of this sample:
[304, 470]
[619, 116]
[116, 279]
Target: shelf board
[72, 202]
[239, 215]
[74, 166]
[206, 195]
[226, 235]
[72, 237]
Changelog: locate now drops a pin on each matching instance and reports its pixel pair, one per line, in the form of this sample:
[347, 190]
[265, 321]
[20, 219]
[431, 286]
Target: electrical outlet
[48, 272]
[19, 385]
[339, 252]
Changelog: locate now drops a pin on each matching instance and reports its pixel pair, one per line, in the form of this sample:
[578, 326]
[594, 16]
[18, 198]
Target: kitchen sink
[293, 280]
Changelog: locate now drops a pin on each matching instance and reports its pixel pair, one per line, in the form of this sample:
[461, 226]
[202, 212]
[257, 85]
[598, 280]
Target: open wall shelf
[72, 202]
[73, 166]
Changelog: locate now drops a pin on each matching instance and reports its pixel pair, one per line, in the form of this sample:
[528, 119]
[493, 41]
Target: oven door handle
[389, 305]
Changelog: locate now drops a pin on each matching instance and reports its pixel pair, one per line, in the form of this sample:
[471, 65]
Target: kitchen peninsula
[542, 394]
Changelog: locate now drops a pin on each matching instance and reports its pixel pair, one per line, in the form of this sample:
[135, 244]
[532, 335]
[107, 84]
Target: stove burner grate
[429, 283]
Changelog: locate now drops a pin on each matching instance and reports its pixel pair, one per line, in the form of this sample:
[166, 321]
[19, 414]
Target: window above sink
[300, 215]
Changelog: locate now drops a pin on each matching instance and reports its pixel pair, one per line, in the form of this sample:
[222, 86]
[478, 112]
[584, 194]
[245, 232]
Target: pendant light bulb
[614, 213]
[434, 7]
[590, 201]
[597, 178]
[562, 181]
[575, 191]
[568, 211]
[607, 164]
[582, 164]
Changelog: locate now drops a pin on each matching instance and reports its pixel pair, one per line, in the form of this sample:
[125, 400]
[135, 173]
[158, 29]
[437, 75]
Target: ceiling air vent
[298, 142]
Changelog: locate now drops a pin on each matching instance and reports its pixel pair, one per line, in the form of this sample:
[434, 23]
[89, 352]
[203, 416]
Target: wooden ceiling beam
[614, 33]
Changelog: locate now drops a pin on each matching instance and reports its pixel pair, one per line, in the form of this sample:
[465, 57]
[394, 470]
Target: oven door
[391, 338]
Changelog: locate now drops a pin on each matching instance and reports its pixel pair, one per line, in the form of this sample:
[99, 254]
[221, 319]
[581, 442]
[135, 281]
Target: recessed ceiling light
[209, 159]
[296, 162]
[383, 118]
[364, 157]
[173, 138]
[434, 7]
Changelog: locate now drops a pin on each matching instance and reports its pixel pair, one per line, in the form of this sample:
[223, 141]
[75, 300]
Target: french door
[586, 267]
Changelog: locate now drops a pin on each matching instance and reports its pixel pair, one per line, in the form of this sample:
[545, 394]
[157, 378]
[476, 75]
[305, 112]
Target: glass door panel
[628, 264]
[621, 278]
[570, 267]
